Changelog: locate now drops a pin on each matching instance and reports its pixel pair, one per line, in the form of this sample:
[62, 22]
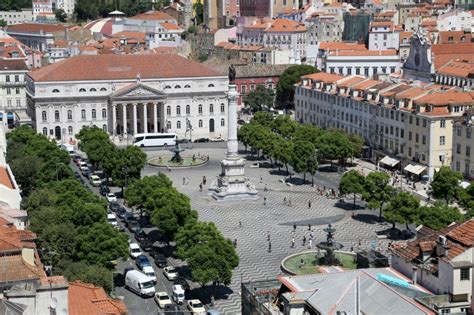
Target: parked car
[170, 273]
[242, 122]
[85, 172]
[104, 190]
[112, 219]
[110, 197]
[182, 282]
[150, 273]
[95, 180]
[196, 307]
[83, 165]
[161, 261]
[156, 250]
[139, 283]
[133, 225]
[134, 250]
[217, 139]
[128, 216]
[162, 299]
[213, 312]
[201, 140]
[120, 212]
[114, 206]
[76, 159]
[146, 244]
[139, 235]
[142, 261]
[178, 294]
[172, 309]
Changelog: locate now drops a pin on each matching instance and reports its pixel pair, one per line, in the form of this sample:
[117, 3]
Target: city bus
[154, 139]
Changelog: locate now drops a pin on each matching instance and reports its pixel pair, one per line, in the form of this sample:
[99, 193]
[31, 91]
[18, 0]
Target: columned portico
[145, 118]
[155, 118]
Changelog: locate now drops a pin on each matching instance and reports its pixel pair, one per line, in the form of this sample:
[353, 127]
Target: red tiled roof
[388, 52]
[410, 93]
[170, 26]
[153, 15]
[463, 234]
[138, 35]
[127, 66]
[445, 52]
[446, 98]
[5, 179]
[14, 268]
[458, 68]
[453, 37]
[364, 85]
[286, 26]
[341, 46]
[323, 77]
[36, 28]
[348, 81]
[88, 299]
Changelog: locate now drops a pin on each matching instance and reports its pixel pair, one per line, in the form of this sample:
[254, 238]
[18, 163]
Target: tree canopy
[438, 216]
[286, 85]
[445, 184]
[403, 208]
[377, 191]
[260, 99]
[352, 182]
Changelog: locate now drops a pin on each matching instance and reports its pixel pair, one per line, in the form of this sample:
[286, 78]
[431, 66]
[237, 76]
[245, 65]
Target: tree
[286, 85]
[262, 118]
[259, 99]
[302, 154]
[377, 191]
[357, 144]
[307, 132]
[403, 208]
[335, 145]
[139, 191]
[3, 23]
[352, 182]
[198, 9]
[445, 184]
[285, 126]
[60, 15]
[129, 164]
[26, 171]
[283, 151]
[438, 216]
[96, 144]
[466, 200]
[97, 275]
[244, 134]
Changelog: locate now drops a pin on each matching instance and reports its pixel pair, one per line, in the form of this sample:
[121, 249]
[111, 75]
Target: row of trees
[300, 146]
[210, 256]
[123, 165]
[70, 221]
[402, 207]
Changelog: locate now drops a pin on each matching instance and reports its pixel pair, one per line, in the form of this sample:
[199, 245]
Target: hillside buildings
[12, 92]
[463, 144]
[128, 94]
[17, 17]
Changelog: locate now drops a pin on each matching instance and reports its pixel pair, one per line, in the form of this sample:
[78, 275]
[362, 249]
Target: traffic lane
[200, 145]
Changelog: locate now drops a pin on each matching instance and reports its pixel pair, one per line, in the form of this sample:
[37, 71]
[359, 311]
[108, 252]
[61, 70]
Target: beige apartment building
[463, 143]
[401, 123]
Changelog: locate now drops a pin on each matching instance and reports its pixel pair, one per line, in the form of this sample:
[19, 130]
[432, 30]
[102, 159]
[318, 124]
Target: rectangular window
[7, 78]
[423, 139]
[468, 133]
[243, 89]
[464, 273]
[468, 150]
[458, 148]
[442, 140]
[9, 91]
[409, 135]
[417, 121]
[416, 138]
[442, 123]
[424, 123]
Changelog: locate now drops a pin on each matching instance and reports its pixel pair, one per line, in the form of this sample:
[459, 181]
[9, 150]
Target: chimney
[414, 275]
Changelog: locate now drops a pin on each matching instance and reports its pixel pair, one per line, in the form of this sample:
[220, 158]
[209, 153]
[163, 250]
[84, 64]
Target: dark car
[182, 282]
[183, 140]
[146, 244]
[155, 251]
[104, 189]
[171, 309]
[139, 235]
[241, 122]
[133, 225]
[121, 212]
[160, 261]
[127, 217]
[76, 159]
[142, 261]
[201, 140]
[85, 172]
[114, 206]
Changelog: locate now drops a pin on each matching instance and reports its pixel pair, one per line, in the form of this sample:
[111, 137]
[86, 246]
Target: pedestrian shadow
[367, 218]
[279, 172]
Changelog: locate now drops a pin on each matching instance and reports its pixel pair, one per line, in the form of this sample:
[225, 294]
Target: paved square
[275, 218]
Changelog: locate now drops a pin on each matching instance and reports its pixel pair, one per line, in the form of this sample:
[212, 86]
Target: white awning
[415, 169]
[389, 161]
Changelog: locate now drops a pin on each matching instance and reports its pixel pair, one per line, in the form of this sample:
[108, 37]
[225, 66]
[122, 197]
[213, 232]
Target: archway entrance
[57, 133]
[211, 125]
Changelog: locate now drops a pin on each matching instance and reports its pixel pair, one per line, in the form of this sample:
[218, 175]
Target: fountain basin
[291, 264]
[165, 161]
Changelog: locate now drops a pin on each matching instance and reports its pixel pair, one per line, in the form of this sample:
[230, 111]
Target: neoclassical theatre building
[128, 94]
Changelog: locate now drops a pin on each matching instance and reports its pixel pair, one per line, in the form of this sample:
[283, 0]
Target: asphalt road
[135, 303]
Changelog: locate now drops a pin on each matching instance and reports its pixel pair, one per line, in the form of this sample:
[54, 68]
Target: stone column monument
[231, 184]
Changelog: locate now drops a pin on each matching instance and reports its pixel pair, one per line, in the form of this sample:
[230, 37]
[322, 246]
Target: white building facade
[17, 17]
[12, 92]
[128, 94]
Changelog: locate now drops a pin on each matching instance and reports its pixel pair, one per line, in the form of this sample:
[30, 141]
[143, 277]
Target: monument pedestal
[232, 185]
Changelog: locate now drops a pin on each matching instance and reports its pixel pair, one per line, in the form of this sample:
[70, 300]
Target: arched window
[222, 122]
[211, 108]
[167, 87]
[168, 125]
[200, 123]
[178, 110]
[69, 114]
[55, 91]
[177, 86]
[104, 113]
[94, 114]
[82, 90]
[187, 86]
[45, 131]
[104, 128]
[83, 114]
[200, 109]
[103, 89]
[222, 108]
[168, 110]
[178, 124]
[44, 116]
[188, 109]
[210, 85]
[69, 130]
[93, 90]
[56, 115]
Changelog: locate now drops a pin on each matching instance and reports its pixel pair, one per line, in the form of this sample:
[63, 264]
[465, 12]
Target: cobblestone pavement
[275, 218]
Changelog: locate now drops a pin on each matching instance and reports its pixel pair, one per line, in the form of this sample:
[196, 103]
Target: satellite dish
[54, 303]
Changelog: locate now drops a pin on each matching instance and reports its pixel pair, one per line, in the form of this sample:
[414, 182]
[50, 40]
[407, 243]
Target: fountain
[177, 159]
[329, 246]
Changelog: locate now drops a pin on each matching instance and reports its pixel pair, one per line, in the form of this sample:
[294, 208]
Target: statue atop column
[232, 74]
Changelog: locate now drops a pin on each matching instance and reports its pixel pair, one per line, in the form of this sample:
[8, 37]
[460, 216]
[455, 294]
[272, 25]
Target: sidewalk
[365, 168]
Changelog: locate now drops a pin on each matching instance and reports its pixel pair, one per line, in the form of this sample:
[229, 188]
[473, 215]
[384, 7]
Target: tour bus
[154, 139]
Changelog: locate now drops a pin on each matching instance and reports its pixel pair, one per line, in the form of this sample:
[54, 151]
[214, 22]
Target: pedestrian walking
[240, 224]
[261, 179]
[265, 188]
[310, 243]
[309, 204]
[311, 235]
[268, 236]
[289, 201]
[294, 227]
[200, 187]
[264, 200]
[293, 242]
[235, 242]
[168, 168]
[309, 227]
[284, 201]
[304, 240]
[204, 180]
[269, 247]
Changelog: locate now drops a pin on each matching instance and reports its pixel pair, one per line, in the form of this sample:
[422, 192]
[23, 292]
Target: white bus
[154, 139]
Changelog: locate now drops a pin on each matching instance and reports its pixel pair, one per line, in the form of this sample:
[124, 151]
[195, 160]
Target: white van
[139, 283]
[69, 148]
[178, 294]
[135, 250]
[150, 273]
[112, 219]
